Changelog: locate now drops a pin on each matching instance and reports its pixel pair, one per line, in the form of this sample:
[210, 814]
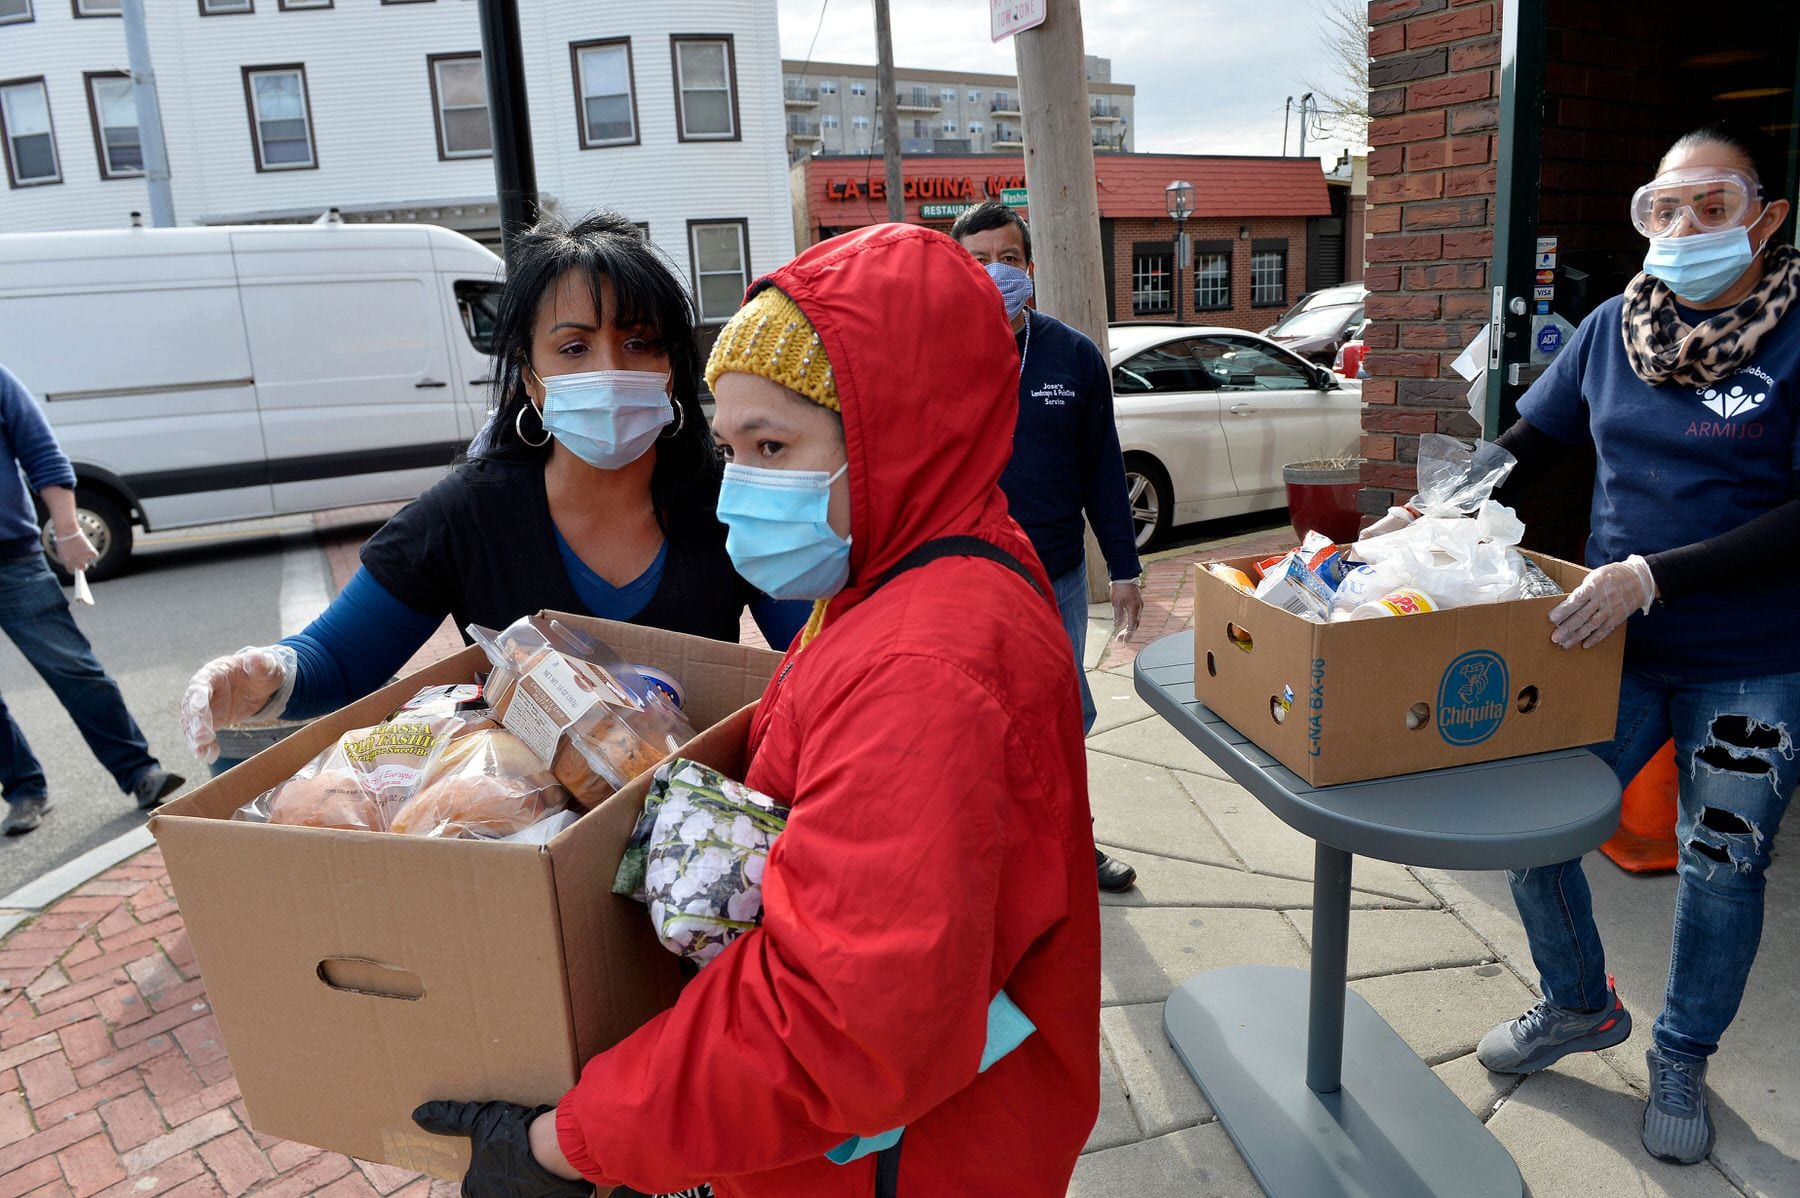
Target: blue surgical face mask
[778, 532]
[1701, 266]
[1014, 284]
[607, 418]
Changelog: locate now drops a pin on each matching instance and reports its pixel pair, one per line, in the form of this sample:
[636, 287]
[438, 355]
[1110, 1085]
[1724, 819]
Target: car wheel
[1152, 506]
[107, 524]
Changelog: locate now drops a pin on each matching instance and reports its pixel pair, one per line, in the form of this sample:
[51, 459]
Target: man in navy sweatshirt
[34, 613]
[1066, 461]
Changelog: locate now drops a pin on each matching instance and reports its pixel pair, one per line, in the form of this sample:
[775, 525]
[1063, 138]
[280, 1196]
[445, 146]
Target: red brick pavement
[113, 1078]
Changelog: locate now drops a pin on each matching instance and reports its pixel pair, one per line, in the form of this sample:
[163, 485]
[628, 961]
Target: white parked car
[1208, 416]
[200, 375]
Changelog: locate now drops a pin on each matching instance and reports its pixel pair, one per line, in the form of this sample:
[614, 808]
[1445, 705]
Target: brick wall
[1434, 116]
[1242, 314]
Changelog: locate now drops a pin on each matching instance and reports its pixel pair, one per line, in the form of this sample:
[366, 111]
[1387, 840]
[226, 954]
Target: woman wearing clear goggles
[1687, 389]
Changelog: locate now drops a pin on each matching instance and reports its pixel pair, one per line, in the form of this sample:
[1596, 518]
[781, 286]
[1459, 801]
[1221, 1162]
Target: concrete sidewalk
[113, 1079]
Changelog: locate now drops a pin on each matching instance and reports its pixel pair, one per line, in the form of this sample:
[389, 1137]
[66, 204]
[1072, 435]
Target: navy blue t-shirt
[1678, 465]
[1065, 456]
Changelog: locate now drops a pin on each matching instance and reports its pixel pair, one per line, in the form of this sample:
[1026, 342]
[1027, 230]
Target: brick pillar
[1434, 113]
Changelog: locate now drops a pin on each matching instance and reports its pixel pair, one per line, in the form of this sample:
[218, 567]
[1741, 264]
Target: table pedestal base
[1392, 1130]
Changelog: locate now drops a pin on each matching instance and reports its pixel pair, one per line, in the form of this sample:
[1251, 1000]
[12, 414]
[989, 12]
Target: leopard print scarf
[1663, 349]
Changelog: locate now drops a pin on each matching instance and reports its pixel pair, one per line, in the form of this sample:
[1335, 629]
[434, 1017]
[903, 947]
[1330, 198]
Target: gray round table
[1347, 1108]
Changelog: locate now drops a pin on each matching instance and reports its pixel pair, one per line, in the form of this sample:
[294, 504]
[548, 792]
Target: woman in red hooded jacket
[924, 731]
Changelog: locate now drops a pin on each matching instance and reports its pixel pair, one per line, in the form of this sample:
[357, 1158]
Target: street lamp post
[1179, 197]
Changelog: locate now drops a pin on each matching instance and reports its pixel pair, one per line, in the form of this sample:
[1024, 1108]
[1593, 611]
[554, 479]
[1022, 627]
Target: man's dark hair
[991, 214]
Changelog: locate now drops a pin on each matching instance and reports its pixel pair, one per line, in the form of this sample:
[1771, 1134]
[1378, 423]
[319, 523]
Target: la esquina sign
[921, 187]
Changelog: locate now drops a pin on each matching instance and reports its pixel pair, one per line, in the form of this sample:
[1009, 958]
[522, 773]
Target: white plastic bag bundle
[1456, 560]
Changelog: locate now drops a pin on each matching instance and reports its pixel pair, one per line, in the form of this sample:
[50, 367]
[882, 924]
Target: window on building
[1152, 284]
[975, 128]
[1268, 273]
[96, 8]
[721, 266]
[280, 121]
[859, 122]
[224, 8]
[947, 95]
[291, 4]
[828, 88]
[828, 121]
[975, 95]
[705, 88]
[605, 98]
[113, 111]
[459, 95]
[30, 138]
[1212, 275]
[949, 126]
[13, 12]
[859, 89]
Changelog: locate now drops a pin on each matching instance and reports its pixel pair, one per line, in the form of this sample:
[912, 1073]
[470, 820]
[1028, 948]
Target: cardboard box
[355, 975]
[1372, 698]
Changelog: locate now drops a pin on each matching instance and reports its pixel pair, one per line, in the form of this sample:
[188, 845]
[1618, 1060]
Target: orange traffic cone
[1645, 841]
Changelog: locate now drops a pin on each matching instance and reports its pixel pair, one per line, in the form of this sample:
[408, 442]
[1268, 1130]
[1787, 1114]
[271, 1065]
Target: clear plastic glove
[250, 685]
[1128, 609]
[1604, 600]
[75, 552]
[502, 1161]
[1396, 519]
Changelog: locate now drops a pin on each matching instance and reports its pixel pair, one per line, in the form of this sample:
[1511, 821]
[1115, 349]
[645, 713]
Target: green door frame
[1518, 163]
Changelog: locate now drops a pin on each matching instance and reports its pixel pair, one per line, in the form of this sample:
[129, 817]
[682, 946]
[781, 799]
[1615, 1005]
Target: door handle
[422, 383]
[1241, 409]
[481, 382]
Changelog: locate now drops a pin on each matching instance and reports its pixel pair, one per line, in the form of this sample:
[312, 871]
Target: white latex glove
[1128, 609]
[75, 552]
[250, 685]
[1603, 601]
[1396, 519]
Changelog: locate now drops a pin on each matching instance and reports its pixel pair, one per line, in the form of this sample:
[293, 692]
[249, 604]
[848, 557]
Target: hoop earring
[519, 428]
[669, 434]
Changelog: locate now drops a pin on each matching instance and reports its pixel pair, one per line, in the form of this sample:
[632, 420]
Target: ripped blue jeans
[1735, 756]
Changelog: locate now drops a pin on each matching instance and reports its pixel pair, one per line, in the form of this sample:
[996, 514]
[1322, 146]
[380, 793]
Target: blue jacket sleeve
[354, 647]
[780, 619]
[1103, 494]
[33, 444]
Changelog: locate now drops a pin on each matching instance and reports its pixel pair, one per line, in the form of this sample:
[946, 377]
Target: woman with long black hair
[591, 489]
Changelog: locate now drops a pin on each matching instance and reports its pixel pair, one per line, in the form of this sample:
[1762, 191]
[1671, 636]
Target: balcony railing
[917, 100]
[1106, 112]
[799, 96]
[1004, 104]
[1006, 139]
[803, 129]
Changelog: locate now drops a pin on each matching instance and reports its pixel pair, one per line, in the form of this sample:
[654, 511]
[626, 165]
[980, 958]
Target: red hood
[927, 377]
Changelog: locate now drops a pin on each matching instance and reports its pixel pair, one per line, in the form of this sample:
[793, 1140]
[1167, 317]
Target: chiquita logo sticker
[1472, 698]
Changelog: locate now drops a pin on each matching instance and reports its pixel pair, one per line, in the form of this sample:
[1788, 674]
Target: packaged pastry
[487, 784]
[592, 720]
[361, 779]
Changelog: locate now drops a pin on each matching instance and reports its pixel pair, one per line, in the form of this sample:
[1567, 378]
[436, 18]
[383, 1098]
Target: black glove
[500, 1163]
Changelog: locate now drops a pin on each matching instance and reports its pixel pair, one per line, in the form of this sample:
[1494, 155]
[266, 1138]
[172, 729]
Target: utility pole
[1064, 198]
[889, 113]
[149, 115]
[1286, 111]
[1307, 104]
[509, 117]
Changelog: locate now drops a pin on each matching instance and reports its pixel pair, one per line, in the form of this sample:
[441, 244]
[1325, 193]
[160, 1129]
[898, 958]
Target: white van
[199, 375]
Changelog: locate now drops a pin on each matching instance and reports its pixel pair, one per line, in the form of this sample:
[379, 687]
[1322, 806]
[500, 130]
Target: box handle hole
[1528, 700]
[1212, 664]
[1238, 635]
[1278, 708]
[1418, 716]
[357, 975]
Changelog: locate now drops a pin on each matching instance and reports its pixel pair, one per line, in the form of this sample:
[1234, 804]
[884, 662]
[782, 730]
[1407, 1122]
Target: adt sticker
[1549, 339]
[1473, 698]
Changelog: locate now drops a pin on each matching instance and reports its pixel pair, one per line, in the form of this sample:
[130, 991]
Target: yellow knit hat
[771, 337]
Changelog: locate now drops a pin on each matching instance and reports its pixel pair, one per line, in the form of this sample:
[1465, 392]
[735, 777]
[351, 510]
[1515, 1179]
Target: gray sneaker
[24, 815]
[156, 786]
[1677, 1125]
[1547, 1033]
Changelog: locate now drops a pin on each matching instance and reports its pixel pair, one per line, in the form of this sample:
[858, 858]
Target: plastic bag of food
[696, 857]
[361, 780]
[1456, 479]
[1456, 561]
[486, 785]
[593, 720]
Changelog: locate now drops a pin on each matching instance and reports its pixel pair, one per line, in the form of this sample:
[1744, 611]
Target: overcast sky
[1212, 75]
